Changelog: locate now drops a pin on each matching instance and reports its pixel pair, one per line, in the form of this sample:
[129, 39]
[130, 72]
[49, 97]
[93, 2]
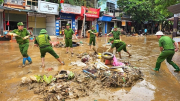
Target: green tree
[139, 10]
[1, 1]
[161, 6]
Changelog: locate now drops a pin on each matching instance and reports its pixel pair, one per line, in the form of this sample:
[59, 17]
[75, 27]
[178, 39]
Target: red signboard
[92, 12]
[62, 1]
[81, 18]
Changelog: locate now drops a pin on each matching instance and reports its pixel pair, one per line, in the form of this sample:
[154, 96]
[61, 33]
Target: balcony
[15, 2]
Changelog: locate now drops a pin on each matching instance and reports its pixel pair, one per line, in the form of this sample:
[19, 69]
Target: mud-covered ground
[155, 86]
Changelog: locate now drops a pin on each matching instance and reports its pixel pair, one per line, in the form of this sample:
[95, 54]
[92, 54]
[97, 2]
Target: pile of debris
[60, 44]
[93, 78]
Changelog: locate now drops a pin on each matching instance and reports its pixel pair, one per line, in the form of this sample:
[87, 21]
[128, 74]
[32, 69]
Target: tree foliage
[145, 10]
[161, 6]
[1, 1]
[139, 10]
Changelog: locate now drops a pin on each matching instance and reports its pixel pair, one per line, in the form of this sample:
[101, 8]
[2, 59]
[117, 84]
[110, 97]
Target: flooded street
[161, 86]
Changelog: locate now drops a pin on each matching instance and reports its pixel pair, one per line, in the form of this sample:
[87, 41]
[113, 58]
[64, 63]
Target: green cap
[20, 24]
[115, 26]
[111, 39]
[67, 24]
[93, 26]
[43, 31]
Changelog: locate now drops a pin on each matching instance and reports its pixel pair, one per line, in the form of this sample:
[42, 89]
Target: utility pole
[83, 24]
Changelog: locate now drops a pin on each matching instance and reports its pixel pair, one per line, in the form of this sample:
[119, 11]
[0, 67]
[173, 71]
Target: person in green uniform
[120, 45]
[22, 37]
[116, 33]
[68, 33]
[44, 42]
[167, 49]
[92, 39]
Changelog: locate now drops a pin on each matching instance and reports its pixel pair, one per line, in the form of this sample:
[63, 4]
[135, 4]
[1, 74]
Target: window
[110, 7]
[32, 2]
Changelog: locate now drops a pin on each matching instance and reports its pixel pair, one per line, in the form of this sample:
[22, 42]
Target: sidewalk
[176, 59]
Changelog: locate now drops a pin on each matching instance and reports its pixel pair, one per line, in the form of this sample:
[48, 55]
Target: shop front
[79, 22]
[102, 24]
[67, 15]
[91, 16]
[62, 20]
[50, 10]
[36, 22]
[12, 18]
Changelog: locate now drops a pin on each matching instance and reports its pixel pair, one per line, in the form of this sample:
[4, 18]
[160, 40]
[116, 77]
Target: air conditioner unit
[34, 8]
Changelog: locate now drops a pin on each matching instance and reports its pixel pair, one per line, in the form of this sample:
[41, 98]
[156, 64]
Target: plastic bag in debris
[28, 79]
[78, 63]
[116, 63]
[85, 58]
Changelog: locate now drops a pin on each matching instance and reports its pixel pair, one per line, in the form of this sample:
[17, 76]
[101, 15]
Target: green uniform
[120, 45]
[68, 37]
[43, 41]
[92, 37]
[116, 34]
[168, 45]
[23, 44]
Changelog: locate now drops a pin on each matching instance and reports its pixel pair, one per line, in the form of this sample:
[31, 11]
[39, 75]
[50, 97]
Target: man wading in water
[92, 39]
[68, 33]
[43, 41]
[167, 49]
[22, 37]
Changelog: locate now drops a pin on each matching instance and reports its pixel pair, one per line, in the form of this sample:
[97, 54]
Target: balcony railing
[16, 2]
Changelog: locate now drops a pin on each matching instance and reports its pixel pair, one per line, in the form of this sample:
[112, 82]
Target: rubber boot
[175, 67]
[158, 65]
[29, 60]
[24, 61]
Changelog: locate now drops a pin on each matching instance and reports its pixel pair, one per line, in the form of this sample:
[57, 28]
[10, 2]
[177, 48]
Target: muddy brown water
[155, 86]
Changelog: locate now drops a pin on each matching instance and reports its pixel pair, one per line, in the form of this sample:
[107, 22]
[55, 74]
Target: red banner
[62, 1]
[81, 18]
[92, 12]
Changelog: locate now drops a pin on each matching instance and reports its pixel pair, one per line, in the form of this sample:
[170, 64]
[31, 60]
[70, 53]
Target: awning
[105, 18]
[172, 19]
[174, 8]
[21, 10]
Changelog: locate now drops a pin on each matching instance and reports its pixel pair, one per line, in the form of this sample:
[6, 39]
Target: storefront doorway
[13, 25]
[110, 26]
[1, 23]
[62, 25]
[87, 26]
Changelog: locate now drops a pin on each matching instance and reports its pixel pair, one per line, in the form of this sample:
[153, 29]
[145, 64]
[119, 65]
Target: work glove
[26, 37]
[89, 30]
[14, 34]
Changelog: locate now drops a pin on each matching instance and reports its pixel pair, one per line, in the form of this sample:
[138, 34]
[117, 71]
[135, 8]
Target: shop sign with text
[48, 7]
[91, 12]
[67, 8]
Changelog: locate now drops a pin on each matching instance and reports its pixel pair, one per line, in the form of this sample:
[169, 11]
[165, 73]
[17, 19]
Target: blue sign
[66, 16]
[105, 18]
[57, 28]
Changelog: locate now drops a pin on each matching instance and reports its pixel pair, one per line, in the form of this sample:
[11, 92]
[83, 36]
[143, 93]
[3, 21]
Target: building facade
[106, 22]
[35, 14]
